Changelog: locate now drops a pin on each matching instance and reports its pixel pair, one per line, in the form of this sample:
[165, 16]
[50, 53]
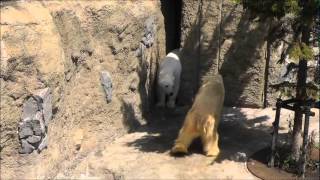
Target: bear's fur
[202, 120]
[169, 79]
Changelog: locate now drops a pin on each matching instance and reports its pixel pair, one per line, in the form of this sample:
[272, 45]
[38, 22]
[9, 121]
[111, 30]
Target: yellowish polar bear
[203, 118]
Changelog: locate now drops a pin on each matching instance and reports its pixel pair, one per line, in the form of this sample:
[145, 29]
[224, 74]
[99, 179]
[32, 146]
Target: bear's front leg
[171, 103]
[161, 98]
[173, 97]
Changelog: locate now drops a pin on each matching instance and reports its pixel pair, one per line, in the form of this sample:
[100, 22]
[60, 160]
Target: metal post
[305, 141]
[275, 132]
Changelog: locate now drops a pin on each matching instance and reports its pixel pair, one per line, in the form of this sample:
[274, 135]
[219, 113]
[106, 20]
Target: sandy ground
[144, 154]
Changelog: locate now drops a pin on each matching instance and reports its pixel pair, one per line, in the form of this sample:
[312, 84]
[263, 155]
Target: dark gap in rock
[171, 11]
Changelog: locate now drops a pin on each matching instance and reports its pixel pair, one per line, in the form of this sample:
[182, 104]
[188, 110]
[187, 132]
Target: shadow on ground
[162, 130]
[238, 134]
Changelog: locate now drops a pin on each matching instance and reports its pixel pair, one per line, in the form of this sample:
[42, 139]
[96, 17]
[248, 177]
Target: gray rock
[26, 148]
[150, 29]
[30, 107]
[43, 144]
[33, 139]
[25, 129]
[107, 84]
[36, 127]
[39, 117]
[45, 98]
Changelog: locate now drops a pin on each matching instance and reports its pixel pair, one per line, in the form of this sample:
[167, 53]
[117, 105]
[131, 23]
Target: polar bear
[202, 119]
[169, 79]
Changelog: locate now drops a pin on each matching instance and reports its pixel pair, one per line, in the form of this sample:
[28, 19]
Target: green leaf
[301, 51]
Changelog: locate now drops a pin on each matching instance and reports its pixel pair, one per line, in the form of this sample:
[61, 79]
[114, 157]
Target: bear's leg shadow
[210, 137]
[186, 135]
[161, 98]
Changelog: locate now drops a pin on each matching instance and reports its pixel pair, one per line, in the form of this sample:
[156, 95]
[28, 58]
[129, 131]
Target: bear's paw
[179, 148]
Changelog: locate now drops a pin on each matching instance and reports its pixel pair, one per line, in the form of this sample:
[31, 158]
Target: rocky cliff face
[235, 48]
[220, 36]
[64, 46]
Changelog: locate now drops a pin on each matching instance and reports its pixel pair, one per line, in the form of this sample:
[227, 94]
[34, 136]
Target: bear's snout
[171, 94]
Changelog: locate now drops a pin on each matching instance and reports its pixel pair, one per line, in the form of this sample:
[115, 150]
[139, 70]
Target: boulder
[25, 129]
[26, 148]
[30, 107]
[36, 127]
[45, 97]
[33, 139]
[39, 117]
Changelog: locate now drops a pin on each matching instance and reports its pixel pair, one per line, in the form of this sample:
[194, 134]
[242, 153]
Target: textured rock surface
[30, 108]
[241, 58]
[190, 33]
[243, 61]
[25, 130]
[33, 139]
[26, 148]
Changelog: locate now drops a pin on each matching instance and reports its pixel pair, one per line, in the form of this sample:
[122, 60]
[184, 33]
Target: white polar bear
[169, 79]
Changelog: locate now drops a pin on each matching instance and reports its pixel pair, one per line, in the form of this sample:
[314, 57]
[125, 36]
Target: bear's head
[167, 85]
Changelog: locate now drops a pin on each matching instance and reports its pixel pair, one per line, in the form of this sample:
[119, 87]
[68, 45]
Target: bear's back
[210, 97]
[171, 64]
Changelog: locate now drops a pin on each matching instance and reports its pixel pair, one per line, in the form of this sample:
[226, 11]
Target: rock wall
[64, 46]
[236, 46]
[220, 36]
[190, 35]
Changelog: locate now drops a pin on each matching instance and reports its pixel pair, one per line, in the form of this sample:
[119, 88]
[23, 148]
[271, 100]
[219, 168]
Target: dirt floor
[144, 154]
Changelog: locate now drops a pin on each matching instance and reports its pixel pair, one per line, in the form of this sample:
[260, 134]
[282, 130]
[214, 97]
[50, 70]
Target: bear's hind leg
[210, 137]
[172, 99]
[211, 147]
[186, 135]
